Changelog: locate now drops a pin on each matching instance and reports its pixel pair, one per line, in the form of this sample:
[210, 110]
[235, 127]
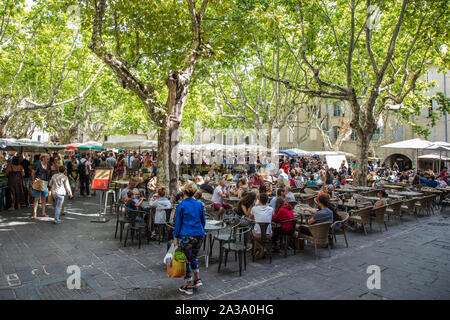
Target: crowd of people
[264, 192]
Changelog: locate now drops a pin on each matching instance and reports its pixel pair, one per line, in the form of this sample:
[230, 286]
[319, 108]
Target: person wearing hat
[188, 233]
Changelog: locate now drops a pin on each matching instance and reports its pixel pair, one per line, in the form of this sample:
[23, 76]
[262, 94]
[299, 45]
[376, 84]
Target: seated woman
[283, 212]
[324, 214]
[383, 200]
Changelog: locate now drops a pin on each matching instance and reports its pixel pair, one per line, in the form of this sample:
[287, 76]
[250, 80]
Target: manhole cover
[152, 294]
[59, 291]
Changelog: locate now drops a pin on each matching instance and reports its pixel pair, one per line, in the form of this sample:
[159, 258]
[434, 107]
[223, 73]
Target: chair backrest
[396, 207]
[293, 222]
[379, 213]
[131, 214]
[292, 203]
[168, 214]
[309, 201]
[207, 196]
[263, 227]
[320, 232]
[364, 213]
[344, 216]
[410, 204]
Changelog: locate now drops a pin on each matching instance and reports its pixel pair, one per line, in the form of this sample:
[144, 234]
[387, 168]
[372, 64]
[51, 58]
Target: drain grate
[59, 291]
[152, 294]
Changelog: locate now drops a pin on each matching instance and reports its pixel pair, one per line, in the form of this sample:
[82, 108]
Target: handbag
[40, 185]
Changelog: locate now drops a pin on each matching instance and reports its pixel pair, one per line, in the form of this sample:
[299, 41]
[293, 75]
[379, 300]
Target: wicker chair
[319, 235]
[361, 216]
[445, 203]
[409, 206]
[424, 205]
[340, 231]
[395, 210]
[263, 241]
[309, 201]
[379, 216]
[292, 203]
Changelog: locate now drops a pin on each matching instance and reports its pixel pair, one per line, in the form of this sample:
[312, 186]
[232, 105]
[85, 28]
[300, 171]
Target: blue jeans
[59, 202]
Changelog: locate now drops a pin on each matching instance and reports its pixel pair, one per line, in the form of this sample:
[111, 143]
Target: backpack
[82, 169]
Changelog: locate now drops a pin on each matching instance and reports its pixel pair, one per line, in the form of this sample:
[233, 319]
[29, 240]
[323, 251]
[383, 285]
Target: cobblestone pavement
[34, 256]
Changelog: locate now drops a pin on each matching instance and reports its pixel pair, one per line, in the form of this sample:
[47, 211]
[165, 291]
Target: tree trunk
[3, 123]
[177, 83]
[360, 175]
[162, 172]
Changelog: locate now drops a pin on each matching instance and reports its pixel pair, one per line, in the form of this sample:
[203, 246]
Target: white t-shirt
[216, 198]
[263, 214]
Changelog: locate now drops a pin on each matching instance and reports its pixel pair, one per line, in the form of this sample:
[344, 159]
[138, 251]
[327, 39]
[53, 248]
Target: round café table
[209, 229]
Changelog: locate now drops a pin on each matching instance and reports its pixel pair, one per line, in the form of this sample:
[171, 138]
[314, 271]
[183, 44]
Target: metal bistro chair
[134, 226]
[121, 220]
[232, 224]
[319, 235]
[264, 241]
[232, 244]
[286, 235]
[163, 230]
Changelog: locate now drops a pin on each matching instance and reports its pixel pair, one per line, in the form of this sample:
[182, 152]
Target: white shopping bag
[169, 255]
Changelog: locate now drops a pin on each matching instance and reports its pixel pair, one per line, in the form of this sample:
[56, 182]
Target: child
[132, 205]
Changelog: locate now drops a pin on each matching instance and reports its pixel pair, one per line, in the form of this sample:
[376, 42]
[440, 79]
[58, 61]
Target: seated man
[219, 194]
[131, 187]
[262, 213]
[206, 186]
[324, 214]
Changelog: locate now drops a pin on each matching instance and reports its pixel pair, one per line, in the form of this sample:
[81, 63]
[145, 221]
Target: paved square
[34, 255]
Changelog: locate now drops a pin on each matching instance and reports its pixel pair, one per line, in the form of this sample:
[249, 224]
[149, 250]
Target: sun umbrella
[289, 153]
[412, 144]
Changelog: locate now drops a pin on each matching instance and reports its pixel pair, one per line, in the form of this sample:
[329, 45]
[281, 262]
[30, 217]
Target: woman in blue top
[188, 233]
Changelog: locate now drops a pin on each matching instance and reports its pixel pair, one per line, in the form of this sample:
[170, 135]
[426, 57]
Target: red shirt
[283, 214]
[286, 167]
